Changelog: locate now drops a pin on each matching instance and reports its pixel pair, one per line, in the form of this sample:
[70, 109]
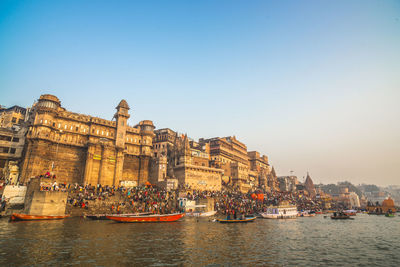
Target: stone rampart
[46, 203]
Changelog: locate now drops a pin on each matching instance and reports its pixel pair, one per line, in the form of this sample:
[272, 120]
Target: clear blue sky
[315, 85]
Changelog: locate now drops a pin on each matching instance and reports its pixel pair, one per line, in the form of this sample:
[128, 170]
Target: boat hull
[278, 216]
[341, 218]
[147, 218]
[25, 217]
[246, 220]
[104, 216]
[201, 214]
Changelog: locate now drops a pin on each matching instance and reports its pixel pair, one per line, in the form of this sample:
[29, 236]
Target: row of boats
[287, 212]
[276, 212]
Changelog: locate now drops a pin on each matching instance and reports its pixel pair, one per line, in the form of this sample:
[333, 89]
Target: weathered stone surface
[82, 149]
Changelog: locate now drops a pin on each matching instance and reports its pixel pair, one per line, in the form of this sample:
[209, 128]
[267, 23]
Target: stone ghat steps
[97, 206]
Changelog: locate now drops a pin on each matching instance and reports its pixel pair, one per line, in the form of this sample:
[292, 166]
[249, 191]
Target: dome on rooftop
[123, 104]
[49, 97]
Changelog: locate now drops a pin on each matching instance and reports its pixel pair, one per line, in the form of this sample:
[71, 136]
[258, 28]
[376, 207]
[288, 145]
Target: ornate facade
[13, 127]
[186, 161]
[83, 149]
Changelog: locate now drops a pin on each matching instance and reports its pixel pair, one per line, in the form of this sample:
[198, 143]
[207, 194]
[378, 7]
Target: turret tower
[121, 117]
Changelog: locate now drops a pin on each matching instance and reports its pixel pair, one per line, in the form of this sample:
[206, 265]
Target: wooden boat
[96, 216]
[306, 214]
[350, 212]
[146, 218]
[104, 216]
[245, 220]
[25, 217]
[341, 217]
[389, 215]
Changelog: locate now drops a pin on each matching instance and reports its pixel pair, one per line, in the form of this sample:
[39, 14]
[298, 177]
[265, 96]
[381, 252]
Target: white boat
[306, 214]
[280, 212]
[201, 214]
[199, 211]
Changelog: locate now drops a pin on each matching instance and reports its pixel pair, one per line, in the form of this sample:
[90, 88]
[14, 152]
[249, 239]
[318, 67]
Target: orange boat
[147, 218]
[25, 217]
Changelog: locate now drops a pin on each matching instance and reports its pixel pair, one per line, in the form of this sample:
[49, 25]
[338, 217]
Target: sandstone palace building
[78, 148]
[84, 149]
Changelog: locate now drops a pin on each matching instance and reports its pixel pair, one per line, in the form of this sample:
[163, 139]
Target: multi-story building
[14, 115]
[287, 183]
[260, 165]
[230, 155]
[163, 138]
[13, 127]
[79, 148]
[184, 160]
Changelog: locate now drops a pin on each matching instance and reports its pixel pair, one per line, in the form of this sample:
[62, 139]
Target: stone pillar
[103, 166]
[119, 163]
[89, 164]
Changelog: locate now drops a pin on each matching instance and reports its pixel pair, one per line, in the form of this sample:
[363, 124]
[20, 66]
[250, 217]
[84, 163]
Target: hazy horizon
[313, 85]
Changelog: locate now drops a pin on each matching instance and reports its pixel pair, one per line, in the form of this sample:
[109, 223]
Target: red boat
[25, 217]
[147, 218]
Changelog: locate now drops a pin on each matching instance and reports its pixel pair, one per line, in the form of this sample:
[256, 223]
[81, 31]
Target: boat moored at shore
[146, 218]
[280, 212]
[26, 217]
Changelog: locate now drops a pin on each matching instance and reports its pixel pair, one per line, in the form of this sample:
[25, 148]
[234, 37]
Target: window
[20, 121]
[5, 138]
[15, 139]
[45, 121]
[12, 150]
[107, 134]
[59, 125]
[76, 128]
[71, 127]
[97, 131]
[102, 132]
[65, 127]
[15, 120]
[54, 124]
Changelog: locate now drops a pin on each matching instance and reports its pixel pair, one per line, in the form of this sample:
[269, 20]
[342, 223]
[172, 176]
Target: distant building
[260, 165]
[347, 199]
[309, 186]
[388, 205]
[287, 183]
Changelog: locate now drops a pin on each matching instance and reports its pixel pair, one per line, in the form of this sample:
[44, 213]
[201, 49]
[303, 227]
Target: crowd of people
[112, 199]
[235, 202]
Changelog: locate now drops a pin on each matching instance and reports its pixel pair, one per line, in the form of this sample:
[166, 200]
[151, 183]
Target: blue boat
[245, 220]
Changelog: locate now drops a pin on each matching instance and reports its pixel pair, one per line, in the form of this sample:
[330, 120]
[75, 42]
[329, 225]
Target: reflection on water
[367, 240]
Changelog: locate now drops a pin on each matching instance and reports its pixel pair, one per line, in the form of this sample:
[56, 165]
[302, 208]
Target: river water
[316, 241]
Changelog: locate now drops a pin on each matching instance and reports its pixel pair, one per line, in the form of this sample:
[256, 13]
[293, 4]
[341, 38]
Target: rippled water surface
[365, 241]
